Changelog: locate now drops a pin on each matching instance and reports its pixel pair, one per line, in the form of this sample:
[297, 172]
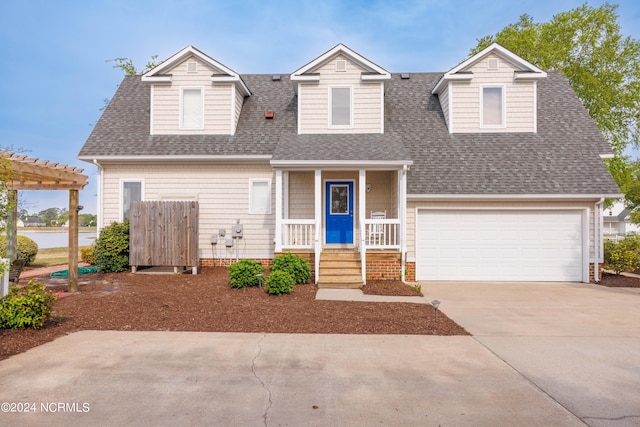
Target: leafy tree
[126, 65]
[603, 67]
[50, 214]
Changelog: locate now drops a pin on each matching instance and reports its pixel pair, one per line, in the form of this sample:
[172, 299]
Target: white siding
[218, 102]
[444, 103]
[222, 193]
[465, 99]
[314, 100]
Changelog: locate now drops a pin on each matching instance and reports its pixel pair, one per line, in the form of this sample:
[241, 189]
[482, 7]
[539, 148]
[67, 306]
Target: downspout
[403, 224]
[99, 206]
[597, 240]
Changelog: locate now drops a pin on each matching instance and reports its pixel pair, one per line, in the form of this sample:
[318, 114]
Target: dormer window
[191, 108]
[340, 107]
[492, 108]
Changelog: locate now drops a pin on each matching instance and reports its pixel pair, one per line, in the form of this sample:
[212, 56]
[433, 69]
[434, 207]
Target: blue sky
[54, 77]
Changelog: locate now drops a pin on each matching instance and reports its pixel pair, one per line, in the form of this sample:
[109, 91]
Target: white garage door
[499, 245]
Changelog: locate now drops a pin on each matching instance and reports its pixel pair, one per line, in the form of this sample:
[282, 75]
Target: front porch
[351, 223]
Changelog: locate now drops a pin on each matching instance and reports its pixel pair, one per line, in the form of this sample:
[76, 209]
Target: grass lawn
[52, 256]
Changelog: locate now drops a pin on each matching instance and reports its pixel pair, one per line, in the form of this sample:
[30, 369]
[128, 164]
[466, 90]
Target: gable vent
[276, 77]
[341, 65]
[492, 64]
[192, 67]
[405, 76]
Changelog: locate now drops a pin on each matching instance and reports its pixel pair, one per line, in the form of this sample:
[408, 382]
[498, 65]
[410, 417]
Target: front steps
[340, 269]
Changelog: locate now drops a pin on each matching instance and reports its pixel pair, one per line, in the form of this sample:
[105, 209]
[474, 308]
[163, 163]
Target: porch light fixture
[368, 188]
[435, 303]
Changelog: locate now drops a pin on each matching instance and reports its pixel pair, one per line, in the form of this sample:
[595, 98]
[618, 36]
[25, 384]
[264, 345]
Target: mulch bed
[205, 302]
[390, 287]
[619, 281]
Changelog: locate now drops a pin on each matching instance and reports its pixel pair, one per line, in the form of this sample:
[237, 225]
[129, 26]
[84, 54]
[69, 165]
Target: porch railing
[382, 233]
[298, 233]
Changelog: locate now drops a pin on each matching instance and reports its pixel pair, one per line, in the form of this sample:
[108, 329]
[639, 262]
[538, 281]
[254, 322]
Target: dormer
[340, 92]
[493, 91]
[191, 93]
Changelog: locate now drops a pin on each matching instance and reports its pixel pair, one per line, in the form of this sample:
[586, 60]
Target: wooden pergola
[27, 173]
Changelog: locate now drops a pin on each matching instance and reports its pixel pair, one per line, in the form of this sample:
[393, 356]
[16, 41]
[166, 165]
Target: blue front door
[339, 212]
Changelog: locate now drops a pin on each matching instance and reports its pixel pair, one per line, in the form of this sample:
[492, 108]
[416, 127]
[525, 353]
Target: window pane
[492, 106]
[192, 108]
[340, 106]
[260, 197]
[339, 199]
[131, 192]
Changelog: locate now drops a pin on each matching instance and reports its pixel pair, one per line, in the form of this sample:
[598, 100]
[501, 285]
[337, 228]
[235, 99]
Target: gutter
[597, 238]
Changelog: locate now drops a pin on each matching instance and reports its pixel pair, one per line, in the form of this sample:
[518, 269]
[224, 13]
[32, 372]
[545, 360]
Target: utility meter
[236, 230]
[222, 232]
[214, 239]
[228, 242]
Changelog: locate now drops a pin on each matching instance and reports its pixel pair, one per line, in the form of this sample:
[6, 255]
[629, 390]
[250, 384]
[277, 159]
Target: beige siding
[465, 99]
[366, 100]
[412, 206]
[444, 103]
[238, 107]
[222, 193]
[218, 101]
[301, 195]
[382, 194]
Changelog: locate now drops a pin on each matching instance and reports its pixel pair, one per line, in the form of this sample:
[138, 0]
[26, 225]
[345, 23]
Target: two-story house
[490, 171]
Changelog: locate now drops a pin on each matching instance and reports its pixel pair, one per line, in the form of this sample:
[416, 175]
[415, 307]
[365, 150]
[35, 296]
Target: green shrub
[623, 255]
[297, 267]
[279, 282]
[27, 248]
[26, 307]
[112, 248]
[88, 254]
[245, 273]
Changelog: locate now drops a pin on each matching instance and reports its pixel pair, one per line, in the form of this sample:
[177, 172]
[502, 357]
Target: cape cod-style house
[490, 171]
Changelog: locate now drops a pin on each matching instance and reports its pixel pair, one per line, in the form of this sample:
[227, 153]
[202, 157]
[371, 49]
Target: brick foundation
[591, 272]
[384, 265]
[225, 262]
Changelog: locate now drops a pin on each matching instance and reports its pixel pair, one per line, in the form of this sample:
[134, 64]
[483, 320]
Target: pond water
[55, 239]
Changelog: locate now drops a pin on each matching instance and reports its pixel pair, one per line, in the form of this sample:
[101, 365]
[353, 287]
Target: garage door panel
[523, 245]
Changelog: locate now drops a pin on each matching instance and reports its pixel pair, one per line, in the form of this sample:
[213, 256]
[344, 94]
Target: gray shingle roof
[561, 158]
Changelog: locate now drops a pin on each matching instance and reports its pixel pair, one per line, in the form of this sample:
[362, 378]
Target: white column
[402, 210]
[362, 214]
[318, 218]
[285, 184]
[278, 237]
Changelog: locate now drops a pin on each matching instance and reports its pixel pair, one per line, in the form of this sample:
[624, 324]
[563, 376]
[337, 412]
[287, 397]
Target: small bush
[112, 248]
[297, 267]
[26, 307]
[88, 254]
[623, 255]
[279, 282]
[27, 248]
[244, 273]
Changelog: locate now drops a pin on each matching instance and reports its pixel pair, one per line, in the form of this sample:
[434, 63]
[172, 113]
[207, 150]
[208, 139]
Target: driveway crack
[624, 417]
[265, 415]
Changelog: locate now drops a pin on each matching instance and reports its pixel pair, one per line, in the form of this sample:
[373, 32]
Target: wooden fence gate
[163, 234]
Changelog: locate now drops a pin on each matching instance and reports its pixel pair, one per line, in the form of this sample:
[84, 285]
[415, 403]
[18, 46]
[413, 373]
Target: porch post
[318, 219]
[402, 214]
[362, 214]
[12, 224]
[278, 236]
[73, 240]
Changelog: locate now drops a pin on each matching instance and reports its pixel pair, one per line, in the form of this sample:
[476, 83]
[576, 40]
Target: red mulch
[390, 287]
[205, 302]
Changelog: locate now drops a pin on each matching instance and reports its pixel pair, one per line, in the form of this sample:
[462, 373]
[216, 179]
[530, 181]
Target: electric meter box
[236, 230]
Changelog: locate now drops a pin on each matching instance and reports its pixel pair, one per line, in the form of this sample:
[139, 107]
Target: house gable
[494, 91]
[192, 93]
[340, 92]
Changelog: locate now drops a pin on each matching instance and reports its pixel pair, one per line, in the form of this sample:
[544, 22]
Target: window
[131, 191]
[340, 111]
[260, 196]
[492, 111]
[191, 108]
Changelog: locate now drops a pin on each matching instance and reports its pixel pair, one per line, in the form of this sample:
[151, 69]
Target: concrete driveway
[503, 376]
[579, 343]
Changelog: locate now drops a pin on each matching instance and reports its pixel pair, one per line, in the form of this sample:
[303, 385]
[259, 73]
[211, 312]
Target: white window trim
[182, 89]
[330, 107]
[252, 210]
[504, 106]
[121, 205]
